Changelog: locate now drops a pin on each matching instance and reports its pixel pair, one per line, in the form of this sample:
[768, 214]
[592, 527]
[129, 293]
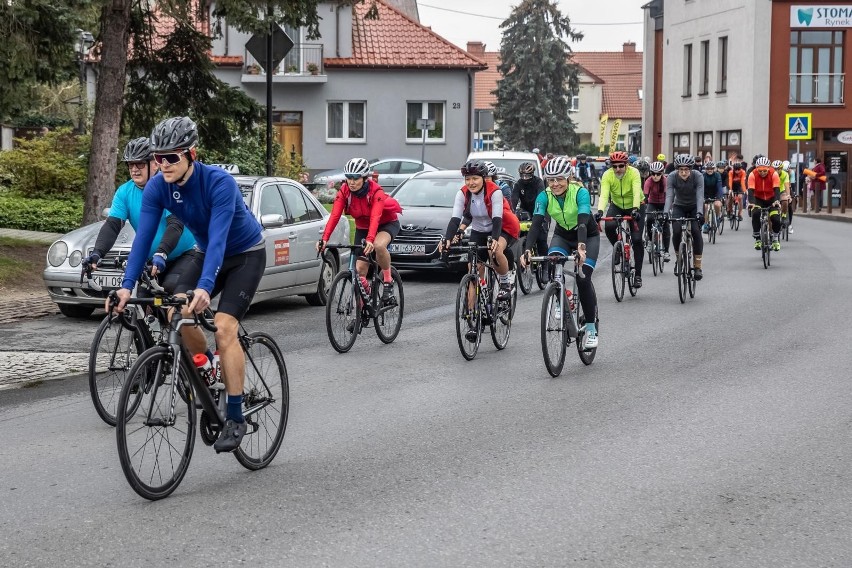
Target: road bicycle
[654, 246]
[562, 317]
[118, 342]
[623, 263]
[157, 416]
[477, 304]
[353, 302]
[785, 225]
[736, 211]
[713, 223]
[684, 266]
[526, 275]
[765, 236]
[594, 187]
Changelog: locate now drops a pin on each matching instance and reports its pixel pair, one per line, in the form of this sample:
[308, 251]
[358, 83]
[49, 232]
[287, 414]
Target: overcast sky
[484, 26]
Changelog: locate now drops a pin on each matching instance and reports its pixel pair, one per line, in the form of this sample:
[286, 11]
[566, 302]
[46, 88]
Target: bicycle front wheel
[690, 273]
[266, 401]
[342, 313]
[389, 318]
[587, 356]
[468, 317]
[525, 278]
[680, 272]
[618, 276]
[501, 323]
[156, 438]
[658, 251]
[554, 329]
[114, 350]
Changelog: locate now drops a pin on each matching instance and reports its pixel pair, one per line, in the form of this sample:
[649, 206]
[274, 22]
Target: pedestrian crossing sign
[798, 126]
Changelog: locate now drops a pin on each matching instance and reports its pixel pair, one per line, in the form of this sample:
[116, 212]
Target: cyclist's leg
[384, 237]
[610, 226]
[677, 230]
[636, 237]
[755, 218]
[361, 265]
[181, 275]
[775, 220]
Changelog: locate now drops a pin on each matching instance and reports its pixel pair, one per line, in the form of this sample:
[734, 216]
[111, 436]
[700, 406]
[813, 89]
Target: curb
[825, 216]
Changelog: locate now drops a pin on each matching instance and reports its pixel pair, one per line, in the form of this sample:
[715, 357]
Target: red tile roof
[395, 41]
[620, 73]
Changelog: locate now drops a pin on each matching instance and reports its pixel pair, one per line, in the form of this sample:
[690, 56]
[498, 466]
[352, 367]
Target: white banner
[825, 16]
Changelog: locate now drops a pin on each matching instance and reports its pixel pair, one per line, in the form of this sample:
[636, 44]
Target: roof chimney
[476, 48]
[629, 47]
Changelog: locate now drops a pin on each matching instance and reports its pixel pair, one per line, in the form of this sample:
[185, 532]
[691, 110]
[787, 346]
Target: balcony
[823, 89]
[302, 65]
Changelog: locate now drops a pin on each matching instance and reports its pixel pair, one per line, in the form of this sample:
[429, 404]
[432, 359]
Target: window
[704, 143]
[296, 204]
[434, 111]
[619, 143]
[704, 68]
[816, 67]
[722, 76]
[271, 202]
[687, 70]
[386, 167]
[410, 167]
[346, 122]
[730, 144]
[680, 143]
[575, 103]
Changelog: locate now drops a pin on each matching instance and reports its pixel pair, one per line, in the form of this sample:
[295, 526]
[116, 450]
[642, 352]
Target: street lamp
[82, 43]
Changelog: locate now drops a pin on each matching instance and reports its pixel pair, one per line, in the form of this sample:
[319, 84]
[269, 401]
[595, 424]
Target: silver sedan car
[293, 221]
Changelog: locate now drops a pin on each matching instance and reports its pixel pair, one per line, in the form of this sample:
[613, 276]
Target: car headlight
[75, 258]
[58, 253]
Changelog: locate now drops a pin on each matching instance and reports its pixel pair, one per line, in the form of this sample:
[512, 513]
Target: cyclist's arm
[107, 235]
[670, 193]
[605, 183]
[751, 187]
[376, 210]
[636, 188]
[221, 218]
[584, 215]
[516, 195]
[537, 223]
[171, 236]
[699, 190]
[496, 214]
[776, 185]
[455, 221]
[149, 221]
[647, 188]
[720, 189]
[336, 211]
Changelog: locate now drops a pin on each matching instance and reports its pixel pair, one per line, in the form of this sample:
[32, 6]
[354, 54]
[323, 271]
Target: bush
[51, 215]
[50, 165]
[247, 152]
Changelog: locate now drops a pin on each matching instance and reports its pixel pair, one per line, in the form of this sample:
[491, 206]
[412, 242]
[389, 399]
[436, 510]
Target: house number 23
[456, 105]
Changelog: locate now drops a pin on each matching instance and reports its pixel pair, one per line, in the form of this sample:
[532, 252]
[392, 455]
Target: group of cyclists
[195, 230]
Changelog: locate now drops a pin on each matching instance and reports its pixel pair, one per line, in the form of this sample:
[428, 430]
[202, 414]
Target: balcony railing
[300, 61]
[816, 88]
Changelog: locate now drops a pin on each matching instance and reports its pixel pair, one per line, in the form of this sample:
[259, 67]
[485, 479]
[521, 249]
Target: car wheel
[75, 311]
[327, 272]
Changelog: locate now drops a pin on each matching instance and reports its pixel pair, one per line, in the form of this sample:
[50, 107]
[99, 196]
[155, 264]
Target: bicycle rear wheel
[342, 314]
[618, 276]
[155, 440]
[113, 351]
[389, 318]
[721, 224]
[541, 277]
[468, 318]
[554, 329]
[525, 278]
[266, 401]
[680, 272]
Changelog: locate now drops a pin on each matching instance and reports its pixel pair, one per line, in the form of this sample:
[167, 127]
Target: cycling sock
[504, 278]
[235, 408]
[386, 276]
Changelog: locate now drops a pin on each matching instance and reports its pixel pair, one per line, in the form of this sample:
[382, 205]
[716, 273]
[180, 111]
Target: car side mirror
[272, 221]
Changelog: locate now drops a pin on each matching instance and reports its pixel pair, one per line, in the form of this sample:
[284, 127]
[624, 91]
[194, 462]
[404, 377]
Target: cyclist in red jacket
[375, 217]
[655, 197]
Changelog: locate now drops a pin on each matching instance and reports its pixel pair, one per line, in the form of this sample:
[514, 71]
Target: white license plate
[407, 249]
[108, 281]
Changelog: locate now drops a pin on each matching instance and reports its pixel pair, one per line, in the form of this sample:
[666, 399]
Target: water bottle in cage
[202, 363]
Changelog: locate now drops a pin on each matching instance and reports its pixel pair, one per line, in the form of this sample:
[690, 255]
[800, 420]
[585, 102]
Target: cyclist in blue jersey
[208, 201]
[174, 259]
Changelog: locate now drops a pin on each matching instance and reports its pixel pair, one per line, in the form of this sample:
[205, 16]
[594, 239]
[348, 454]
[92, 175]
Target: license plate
[407, 249]
[108, 281]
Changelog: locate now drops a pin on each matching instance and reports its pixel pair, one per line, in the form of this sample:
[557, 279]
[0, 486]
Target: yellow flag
[604, 118]
[613, 136]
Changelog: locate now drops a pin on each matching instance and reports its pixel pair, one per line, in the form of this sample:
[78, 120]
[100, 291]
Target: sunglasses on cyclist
[353, 176]
[136, 165]
[619, 166]
[171, 158]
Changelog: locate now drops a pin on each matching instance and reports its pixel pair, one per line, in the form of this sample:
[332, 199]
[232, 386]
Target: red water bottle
[627, 251]
[570, 295]
[202, 363]
[364, 284]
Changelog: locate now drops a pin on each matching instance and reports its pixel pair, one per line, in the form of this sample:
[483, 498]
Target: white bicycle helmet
[762, 162]
[560, 166]
[657, 167]
[492, 169]
[684, 161]
[777, 164]
[786, 165]
[357, 167]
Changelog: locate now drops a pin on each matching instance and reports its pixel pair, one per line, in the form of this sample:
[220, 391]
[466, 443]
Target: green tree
[537, 78]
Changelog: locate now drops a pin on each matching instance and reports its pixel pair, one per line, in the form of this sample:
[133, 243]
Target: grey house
[360, 88]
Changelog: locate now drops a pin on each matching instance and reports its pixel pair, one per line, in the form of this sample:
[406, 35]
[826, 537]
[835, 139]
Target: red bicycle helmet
[618, 157]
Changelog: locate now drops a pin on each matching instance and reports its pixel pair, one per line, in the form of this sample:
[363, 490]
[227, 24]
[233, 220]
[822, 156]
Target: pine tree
[537, 78]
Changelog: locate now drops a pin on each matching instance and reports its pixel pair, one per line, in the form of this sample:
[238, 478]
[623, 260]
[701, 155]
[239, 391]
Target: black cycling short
[183, 273]
[481, 239]
[238, 280]
[391, 228]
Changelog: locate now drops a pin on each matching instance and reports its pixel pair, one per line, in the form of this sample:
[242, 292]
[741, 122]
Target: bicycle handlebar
[168, 301]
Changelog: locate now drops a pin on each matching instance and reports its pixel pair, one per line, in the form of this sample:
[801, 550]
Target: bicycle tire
[681, 273]
[541, 278]
[266, 389]
[690, 273]
[525, 278]
[554, 331]
[155, 364]
[112, 353]
[341, 311]
[586, 356]
[764, 245]
[721, 226]
[736, 220]
[501, 323]
[388, 320]
[464, 315]
[617, 266]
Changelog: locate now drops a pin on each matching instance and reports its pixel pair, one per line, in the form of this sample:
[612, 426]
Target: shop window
[816, 67]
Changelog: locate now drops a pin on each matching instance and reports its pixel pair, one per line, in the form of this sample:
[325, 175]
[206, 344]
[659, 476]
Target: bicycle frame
[556, 272]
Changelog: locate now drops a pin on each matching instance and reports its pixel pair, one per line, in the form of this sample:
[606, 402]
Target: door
[278, 273]
[386, 170]
[288, 131]
[836, 176]
[304, 229]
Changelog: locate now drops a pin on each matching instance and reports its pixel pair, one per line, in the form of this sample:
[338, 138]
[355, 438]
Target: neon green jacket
[625, 193]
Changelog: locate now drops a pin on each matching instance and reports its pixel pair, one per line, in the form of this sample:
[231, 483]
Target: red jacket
[369, 212]
[511, 225]
[655, 192]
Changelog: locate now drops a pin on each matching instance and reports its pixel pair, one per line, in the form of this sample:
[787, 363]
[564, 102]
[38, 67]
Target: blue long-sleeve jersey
[211, 206]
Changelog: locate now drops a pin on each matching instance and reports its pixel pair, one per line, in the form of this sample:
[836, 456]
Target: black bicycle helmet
[474, 168]
[138, 150]
[684, 161]
[526, 168]
[176, 133]
[581, 157]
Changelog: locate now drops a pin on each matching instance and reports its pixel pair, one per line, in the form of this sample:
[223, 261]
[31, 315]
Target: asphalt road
[715, 433]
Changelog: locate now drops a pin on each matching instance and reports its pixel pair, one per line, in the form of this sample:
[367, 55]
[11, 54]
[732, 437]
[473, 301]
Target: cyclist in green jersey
[568, 203]
[621, 189]
[784, 178]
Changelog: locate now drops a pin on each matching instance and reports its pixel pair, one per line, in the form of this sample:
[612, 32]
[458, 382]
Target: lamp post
[82, 44]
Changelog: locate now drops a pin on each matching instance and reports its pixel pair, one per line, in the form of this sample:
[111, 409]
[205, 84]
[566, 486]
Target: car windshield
[246, 190]
[510, 164]
[425, 192]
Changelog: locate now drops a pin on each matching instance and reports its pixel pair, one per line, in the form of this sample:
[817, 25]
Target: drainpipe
[470, 110]
[337, 31]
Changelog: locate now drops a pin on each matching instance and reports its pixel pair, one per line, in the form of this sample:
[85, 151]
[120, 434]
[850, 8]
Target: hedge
[50, 215]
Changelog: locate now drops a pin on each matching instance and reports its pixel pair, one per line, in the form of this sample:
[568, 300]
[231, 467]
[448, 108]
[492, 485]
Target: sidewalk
[35, 236]
[835, 215]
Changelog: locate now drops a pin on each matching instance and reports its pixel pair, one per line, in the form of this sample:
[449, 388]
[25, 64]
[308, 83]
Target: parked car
[391, 172]
[508, 159]
[427, 206]
[293, 221]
